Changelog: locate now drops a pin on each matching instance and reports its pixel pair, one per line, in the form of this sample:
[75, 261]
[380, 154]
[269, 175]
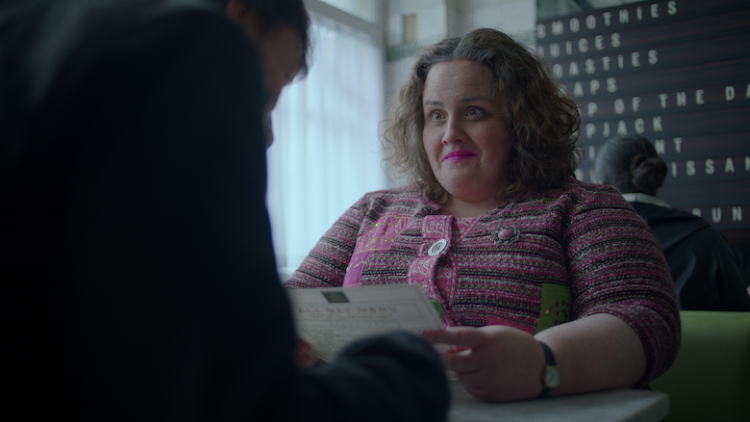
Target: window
[365, 9]
[326, 152]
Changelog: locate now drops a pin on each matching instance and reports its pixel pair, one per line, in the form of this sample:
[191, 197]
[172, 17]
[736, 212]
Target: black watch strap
[551, 373]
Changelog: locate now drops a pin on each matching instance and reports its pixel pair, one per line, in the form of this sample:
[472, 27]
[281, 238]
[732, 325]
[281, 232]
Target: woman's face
[465, 133]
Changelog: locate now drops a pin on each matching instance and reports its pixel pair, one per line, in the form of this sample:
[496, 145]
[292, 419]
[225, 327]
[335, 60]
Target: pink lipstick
[460, 155]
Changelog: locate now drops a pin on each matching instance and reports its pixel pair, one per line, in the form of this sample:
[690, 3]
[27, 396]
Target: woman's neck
[459, 208]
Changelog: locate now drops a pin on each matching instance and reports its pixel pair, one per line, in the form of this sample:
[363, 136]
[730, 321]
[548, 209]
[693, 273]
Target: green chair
[710, 380]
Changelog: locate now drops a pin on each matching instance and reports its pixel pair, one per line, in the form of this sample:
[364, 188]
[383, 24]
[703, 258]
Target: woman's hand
[494, 363]
[499, 363]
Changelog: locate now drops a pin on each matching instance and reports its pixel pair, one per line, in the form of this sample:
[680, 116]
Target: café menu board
[676, 72]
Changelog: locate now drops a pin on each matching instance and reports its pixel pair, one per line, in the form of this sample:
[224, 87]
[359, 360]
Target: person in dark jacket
[741, 251]
[137, 266]
[703, 268]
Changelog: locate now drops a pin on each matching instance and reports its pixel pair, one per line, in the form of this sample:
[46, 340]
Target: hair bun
[648, 172]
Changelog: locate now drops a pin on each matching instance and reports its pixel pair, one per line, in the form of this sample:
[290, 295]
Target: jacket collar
[644, 199]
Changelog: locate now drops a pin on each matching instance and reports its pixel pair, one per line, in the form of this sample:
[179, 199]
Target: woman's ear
[247, 18]
[236, 9]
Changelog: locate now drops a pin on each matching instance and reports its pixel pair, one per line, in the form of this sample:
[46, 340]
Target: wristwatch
[551, 373]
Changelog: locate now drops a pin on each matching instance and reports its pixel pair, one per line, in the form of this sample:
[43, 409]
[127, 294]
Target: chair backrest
[710, 380]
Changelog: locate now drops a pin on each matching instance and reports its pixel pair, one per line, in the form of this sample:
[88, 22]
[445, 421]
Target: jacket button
[437, 247]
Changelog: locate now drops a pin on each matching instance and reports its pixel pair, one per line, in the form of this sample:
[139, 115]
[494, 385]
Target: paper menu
[331, 318]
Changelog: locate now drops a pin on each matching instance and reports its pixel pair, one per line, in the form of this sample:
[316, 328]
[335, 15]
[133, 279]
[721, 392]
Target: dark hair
[631, 164]
[542, 119]
[275, 14]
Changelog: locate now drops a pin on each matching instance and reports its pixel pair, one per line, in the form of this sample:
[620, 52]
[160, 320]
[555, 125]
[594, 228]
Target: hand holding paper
[331, 318]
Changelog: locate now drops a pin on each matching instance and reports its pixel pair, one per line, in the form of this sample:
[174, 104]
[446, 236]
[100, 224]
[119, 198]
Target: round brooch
[505, 235]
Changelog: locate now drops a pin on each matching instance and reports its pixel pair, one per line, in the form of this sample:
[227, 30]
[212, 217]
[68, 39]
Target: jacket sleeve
[617, 267]
[708, 275]
[167, 280]
[327, 263]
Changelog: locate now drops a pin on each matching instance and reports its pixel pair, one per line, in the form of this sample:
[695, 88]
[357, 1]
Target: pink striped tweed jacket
[529, 264]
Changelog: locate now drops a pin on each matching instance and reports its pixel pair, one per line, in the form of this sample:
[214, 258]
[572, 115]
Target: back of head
[630, 164]
[274, 14]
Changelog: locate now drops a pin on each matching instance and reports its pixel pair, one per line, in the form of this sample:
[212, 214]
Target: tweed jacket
[529, 264]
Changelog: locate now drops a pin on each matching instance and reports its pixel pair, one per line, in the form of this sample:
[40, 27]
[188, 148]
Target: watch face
[552, 377]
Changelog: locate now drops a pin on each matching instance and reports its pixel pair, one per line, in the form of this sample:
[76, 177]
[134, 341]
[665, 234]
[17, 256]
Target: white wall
[514, 17]
[439, 19]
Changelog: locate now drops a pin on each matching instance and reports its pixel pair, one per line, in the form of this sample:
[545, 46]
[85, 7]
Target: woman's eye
[473, 112]
[435, 115]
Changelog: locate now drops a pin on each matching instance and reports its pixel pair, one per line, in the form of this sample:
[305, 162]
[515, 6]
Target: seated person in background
[741, 253]
[498, 232]
[705, 274]
[139, 275]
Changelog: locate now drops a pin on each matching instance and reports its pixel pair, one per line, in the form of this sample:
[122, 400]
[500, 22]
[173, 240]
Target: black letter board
[676, 72]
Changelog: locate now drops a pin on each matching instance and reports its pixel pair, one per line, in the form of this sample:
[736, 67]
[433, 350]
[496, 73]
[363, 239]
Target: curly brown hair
[542, 119]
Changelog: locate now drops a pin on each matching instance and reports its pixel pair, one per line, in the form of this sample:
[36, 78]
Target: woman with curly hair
[546, 285]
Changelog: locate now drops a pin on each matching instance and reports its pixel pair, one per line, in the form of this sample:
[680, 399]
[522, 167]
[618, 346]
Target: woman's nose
[454, 132]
